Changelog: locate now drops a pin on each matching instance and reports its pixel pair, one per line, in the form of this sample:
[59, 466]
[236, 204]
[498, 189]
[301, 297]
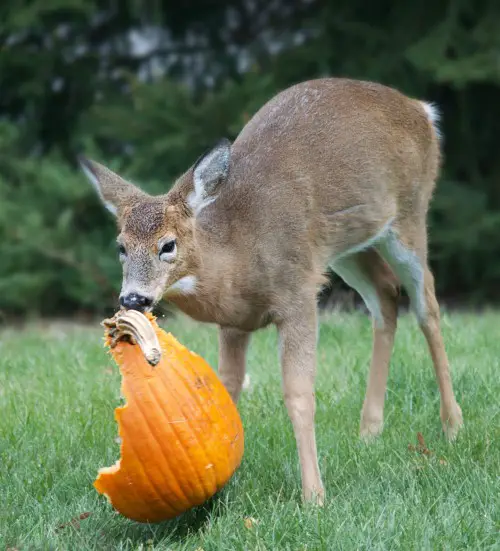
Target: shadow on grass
[170, 531]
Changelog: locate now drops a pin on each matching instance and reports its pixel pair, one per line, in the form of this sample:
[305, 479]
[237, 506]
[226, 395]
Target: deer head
[156, 242]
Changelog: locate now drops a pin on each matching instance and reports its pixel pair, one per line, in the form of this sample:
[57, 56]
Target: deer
[330, 172]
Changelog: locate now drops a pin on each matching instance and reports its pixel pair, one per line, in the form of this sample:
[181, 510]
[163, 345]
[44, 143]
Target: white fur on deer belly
[185, 286]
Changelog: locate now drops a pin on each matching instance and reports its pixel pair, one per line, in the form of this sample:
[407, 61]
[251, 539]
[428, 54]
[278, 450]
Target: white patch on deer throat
[185, 286]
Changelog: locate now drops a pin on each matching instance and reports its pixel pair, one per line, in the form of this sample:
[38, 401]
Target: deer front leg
[298, 363]
[233, 345]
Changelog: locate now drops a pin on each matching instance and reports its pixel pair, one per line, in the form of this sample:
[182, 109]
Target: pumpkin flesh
[181, 434]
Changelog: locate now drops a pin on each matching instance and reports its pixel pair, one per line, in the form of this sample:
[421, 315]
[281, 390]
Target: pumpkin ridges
[110, 486]
[164, 435]
[107, 481]
[221, 401]
[169, 357]
[193, 473]
[172, 478]
[202, 406]
[208, 420]
[223, 404]
[127, 442]
[169, 451]
[188, 436]
[169, 343]
[207, 461]
[176, 473]
[187, 375]
[120, 352]
[220, 470]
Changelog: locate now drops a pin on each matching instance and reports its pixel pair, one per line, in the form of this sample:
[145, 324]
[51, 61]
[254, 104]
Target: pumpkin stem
[135, 327]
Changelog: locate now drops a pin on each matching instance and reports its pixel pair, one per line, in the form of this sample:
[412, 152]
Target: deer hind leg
[371, 277]
[410, 266]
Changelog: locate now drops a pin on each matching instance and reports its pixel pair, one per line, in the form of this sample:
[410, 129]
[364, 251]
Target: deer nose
[134, 301]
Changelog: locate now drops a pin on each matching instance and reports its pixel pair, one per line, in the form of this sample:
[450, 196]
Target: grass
[58, 390]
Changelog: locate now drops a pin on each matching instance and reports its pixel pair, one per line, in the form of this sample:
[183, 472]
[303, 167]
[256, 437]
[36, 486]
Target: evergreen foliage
[147, 89]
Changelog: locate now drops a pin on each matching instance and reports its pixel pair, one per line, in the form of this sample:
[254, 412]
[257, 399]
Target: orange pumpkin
[181, 434]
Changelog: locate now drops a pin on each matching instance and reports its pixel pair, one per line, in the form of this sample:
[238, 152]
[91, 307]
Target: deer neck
[201, 291]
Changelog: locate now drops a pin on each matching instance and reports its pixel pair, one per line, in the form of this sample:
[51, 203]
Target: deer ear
[114, 191]
[209, 171]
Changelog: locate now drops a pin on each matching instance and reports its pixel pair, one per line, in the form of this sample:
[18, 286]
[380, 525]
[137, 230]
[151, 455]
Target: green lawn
[58, 390]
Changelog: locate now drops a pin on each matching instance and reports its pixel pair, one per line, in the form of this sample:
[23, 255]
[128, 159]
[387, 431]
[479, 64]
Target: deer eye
[167, 250]
[121, 250]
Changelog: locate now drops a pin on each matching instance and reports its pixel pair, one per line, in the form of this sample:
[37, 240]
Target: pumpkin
[181, 434]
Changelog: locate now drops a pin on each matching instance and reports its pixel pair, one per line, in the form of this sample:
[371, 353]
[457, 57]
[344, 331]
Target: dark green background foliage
[146, 87]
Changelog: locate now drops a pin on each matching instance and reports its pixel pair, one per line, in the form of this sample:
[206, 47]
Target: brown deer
[330, 172]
